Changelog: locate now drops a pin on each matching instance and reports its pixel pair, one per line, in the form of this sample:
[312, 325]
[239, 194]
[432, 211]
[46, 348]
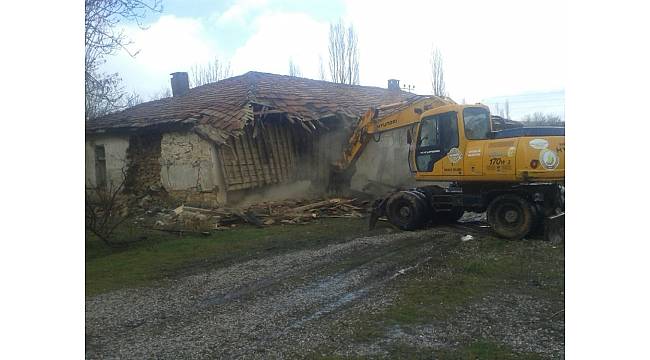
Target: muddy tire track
[255, 309]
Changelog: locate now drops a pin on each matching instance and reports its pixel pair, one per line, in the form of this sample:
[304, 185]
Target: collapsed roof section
[222, 109]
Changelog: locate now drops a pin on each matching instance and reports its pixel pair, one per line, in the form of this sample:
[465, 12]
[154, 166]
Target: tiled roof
[227, 104]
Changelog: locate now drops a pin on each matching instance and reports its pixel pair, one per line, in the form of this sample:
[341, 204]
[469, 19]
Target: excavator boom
[385, 118]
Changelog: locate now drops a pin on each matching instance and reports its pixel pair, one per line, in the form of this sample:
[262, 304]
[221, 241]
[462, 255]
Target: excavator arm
[385, 118]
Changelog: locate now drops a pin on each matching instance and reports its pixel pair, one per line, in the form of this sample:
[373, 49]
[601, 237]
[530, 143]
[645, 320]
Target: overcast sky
[490, 49]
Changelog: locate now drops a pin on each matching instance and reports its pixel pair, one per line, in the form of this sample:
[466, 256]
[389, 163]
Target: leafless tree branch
[210, 72]
[294, 70]
[343, 54]
[104, 211]
[104, 92]
[437, 73]
[321, 68]
[541, 119]
[163, 93]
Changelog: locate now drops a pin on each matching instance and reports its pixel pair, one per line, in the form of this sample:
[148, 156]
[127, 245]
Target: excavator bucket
[378, 210]
[554, 228]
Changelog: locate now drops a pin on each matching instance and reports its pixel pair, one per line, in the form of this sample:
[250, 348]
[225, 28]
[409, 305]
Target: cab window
[438, 134]
[477, 123]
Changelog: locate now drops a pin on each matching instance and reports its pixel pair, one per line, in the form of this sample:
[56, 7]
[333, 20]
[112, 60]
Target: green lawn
[158, 255]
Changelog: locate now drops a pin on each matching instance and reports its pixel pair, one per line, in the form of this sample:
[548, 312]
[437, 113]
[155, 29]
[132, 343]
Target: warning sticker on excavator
[538, 144]
[455, 155]
[474, 152]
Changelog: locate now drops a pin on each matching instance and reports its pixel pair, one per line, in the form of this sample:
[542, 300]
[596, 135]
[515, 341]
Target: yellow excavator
[516, 175]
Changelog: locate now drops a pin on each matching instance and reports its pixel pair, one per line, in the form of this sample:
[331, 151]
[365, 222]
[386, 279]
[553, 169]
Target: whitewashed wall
[115, 147]
[385, 162]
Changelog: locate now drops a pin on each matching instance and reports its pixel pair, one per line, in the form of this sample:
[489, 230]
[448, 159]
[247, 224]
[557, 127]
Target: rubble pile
[190, 218]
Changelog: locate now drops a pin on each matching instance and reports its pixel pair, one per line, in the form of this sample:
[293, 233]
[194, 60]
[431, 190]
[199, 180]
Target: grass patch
[160, 255]
[485, 350]
[481, 349]
[472, 272]
[467, 272]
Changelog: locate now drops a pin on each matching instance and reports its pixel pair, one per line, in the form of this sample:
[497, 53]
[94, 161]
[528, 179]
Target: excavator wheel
[406, 211]
[511, 216]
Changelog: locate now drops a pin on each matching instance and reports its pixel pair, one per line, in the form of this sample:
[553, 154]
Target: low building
[218, 142]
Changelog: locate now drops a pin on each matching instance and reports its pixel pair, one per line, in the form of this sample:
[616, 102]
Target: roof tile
[226, 103]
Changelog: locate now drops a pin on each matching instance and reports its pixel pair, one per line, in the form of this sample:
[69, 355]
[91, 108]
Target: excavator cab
[457, 143]
[437, 136]
[441, 139]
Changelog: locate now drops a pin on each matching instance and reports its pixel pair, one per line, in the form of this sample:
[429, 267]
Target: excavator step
[445, 202]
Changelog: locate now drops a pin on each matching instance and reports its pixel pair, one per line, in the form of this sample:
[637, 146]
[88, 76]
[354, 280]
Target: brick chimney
[180, 83]
[393, 84]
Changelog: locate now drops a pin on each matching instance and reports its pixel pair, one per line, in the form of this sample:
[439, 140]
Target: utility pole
[408, 87]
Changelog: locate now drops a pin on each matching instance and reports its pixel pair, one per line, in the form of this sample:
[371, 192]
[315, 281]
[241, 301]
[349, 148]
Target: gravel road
[284, 306]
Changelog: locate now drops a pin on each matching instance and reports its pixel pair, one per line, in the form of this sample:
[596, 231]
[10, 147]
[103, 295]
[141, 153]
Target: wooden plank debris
[263, 214]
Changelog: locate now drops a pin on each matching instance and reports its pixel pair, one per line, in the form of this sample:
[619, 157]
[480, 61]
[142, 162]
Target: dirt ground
[423, 294]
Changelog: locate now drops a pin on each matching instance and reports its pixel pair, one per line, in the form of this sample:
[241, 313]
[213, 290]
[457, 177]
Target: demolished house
[219, 142]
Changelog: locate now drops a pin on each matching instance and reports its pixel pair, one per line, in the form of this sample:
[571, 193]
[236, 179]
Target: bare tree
[437, 73]
[106, 210]
[343, 54]
[321, 68]
[541, 119]
[294, 70]
[163, 93]
[210, 72]
[104, 92]
[352, 55]
[133, 99]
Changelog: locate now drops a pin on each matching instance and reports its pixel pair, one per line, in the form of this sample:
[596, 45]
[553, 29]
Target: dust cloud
[299, 190]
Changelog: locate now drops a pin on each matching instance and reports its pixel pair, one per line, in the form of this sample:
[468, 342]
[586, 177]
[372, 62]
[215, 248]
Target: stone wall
[143, 156]
[190, 170]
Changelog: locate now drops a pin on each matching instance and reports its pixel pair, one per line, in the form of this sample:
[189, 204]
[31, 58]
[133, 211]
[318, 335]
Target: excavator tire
[406, 211]
[511, 216]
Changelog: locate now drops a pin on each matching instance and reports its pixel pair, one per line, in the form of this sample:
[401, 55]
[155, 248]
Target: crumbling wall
[190, 169]
[115, 147]
[383, 164]
[143, 156]
[297, 190]
[261, 156]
